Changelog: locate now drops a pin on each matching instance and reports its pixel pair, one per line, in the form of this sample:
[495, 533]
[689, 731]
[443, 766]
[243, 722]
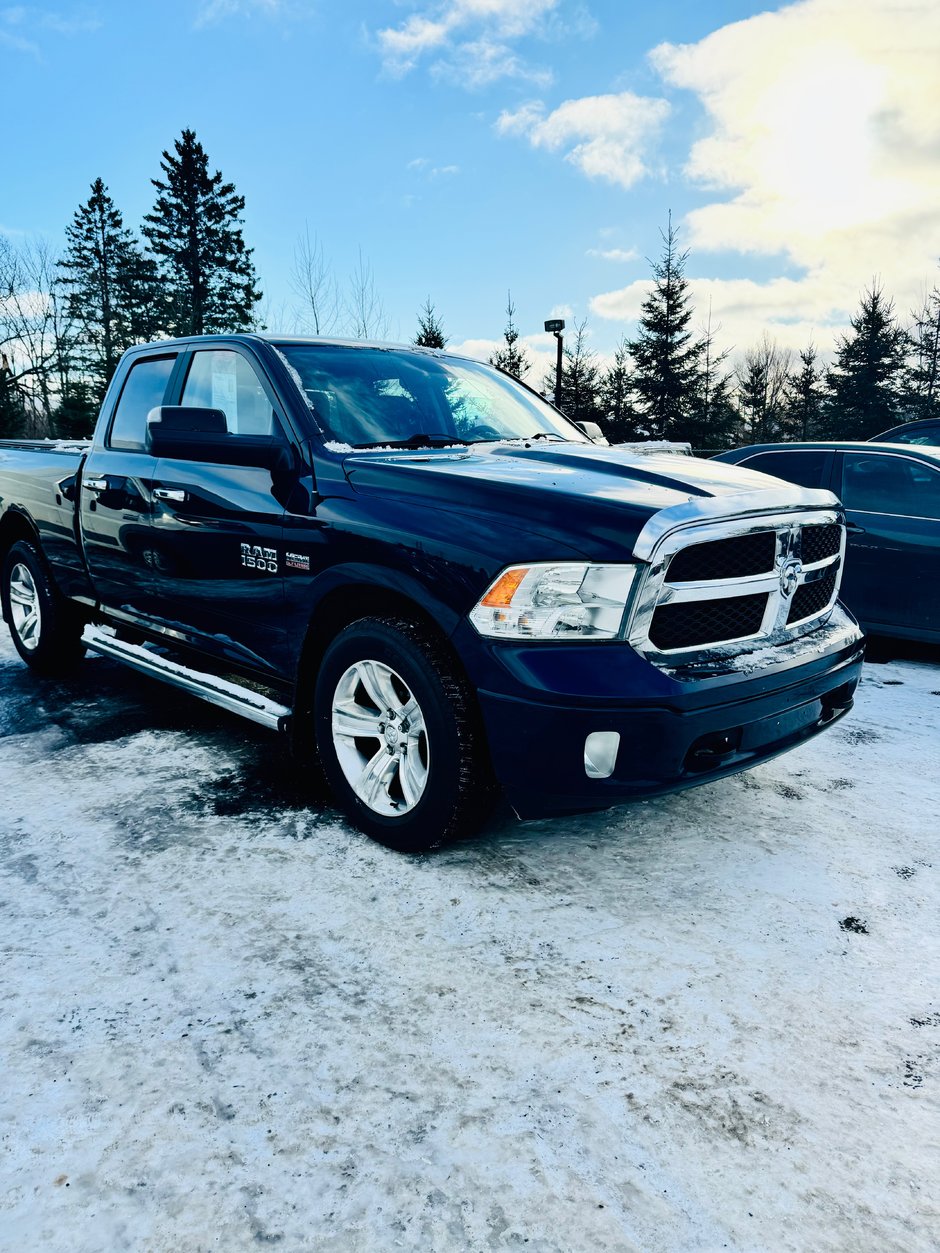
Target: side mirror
[189, 420]
[179, 433]
[593, 432]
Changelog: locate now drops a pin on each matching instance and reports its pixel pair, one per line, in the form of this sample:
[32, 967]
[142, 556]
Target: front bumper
[676, 730]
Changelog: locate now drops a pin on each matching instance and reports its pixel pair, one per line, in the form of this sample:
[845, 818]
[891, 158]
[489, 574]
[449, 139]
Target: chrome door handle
[852, 529]
[167, 493]
[95, 485]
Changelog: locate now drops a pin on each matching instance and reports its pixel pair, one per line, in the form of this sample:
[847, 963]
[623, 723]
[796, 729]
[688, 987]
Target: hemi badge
[296, 561]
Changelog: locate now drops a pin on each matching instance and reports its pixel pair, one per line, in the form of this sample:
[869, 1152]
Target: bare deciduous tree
[313, 281]
[763, 388]
[36, 334]
[365, 310]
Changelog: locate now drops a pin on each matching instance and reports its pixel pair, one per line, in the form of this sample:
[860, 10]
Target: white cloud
[613, 254]
[794, 311]
[606, 137]
[216, 10]
[480, 62]
[822, 144]
[539, 348]
[422, 165]
[470, 38]
[20, 24]
[404, 45]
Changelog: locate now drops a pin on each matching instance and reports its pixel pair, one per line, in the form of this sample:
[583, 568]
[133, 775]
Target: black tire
[458, 790]
[49, 643]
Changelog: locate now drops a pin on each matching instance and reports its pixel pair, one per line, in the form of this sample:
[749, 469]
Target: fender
[384, 578]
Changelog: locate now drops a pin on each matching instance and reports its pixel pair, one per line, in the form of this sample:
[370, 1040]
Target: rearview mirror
[180, 433]
[593, 432]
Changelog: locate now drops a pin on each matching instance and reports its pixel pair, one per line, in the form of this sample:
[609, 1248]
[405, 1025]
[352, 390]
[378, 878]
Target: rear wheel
[397, 735]
[46, 630]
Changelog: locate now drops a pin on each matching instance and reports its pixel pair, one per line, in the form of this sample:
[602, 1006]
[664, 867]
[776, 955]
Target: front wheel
[46, 630]
[398, 736]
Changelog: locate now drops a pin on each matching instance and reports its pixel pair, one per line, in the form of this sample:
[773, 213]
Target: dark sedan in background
[924, 431]
[891, 494]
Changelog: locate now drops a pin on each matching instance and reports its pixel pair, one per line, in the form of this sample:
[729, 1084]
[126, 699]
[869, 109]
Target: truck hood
[592, 498]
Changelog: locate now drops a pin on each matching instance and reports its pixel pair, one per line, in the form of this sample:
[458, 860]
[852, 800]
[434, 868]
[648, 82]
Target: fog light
[600, 754]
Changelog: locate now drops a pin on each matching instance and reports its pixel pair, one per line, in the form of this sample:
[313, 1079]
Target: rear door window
[809, 467]
[143, 390]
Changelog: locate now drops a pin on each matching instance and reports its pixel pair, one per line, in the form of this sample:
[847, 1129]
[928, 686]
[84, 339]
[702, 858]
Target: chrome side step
[227, 695]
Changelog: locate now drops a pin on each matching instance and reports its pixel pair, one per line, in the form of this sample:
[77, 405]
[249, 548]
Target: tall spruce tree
[616, 400]
[580, 379]
[866, 377]
[512, 359]
[111, 287]
[667, 374]
[195, 232]
[430, 331]
[712, 420]
[806, 399]
[922, 377]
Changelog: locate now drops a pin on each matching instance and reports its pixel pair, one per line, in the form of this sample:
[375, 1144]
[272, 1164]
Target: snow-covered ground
[705, 1022]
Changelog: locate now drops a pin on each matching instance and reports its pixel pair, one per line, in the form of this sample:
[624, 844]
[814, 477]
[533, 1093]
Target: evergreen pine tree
[806, 399]
[430, 331]
[195, 233]
[513, 360]
[865, 380]
[12, 406]
[615, 399]
[922, 377]
[712, 420]
[111, 288]
[763, 385]
[77, 411]
[667, 375]
[580, 379]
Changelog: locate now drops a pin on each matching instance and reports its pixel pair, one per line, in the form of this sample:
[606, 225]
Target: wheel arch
[14, 527]
[358, 593]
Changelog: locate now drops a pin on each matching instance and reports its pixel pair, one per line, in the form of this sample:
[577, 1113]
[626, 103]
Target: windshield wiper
[437, 439]
[549, 435]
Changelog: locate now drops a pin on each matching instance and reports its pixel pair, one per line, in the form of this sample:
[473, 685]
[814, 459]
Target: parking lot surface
[228, 1020]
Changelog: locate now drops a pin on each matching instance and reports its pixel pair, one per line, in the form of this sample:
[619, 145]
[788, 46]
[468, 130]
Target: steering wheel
[482, 431]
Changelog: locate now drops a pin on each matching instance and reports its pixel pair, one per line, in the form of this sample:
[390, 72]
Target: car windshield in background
[925, 431]
[377, 397]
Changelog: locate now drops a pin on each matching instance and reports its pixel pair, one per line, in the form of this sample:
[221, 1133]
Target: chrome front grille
[738, 582]
[813, 598]
[694, 623]
[820, 541]
[735, 557]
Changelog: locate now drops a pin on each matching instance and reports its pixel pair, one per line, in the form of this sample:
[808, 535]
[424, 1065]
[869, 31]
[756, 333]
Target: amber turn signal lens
[501, 593]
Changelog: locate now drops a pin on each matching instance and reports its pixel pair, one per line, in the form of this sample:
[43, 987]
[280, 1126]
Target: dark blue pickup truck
[429, 579]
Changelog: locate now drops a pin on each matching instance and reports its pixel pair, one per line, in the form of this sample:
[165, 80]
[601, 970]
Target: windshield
[374, 397]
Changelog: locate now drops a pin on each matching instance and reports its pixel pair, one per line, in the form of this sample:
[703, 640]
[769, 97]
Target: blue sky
[470, 146]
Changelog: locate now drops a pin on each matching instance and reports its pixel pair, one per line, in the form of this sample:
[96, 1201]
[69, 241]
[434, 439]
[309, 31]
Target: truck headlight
[561, 600]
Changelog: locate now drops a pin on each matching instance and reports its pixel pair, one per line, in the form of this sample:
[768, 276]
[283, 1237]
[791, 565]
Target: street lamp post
[556, 326]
